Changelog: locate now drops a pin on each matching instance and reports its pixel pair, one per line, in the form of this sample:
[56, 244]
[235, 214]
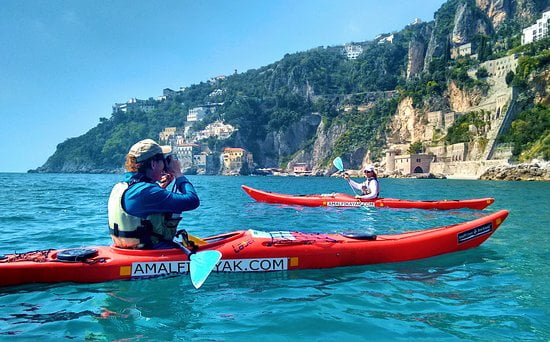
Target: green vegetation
[415, 147]
[482, 73]
[364, 130]
[460, 130]
[459, 74]
[530, 133]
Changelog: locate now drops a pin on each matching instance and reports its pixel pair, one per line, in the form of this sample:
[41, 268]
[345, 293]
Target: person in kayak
[143, 214]
[370, 189]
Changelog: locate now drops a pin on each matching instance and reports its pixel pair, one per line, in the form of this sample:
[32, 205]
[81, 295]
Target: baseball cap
[146, 149]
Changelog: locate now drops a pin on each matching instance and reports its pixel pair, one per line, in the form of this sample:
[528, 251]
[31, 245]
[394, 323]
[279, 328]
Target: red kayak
[246, 251]
[345, 200]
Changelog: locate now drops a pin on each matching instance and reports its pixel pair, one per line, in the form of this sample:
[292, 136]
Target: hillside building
[499, 67]
[536, 31]
[386, 39]
[196, 114]
[133, 104]
[167, 92]
[185, 154]
[234, 158]
[171, 136]
[216, 129]
[352, 51]
[408, 164]
[449, 153]
[216, 92]
[462, 50]
[301, 169]
[217, 78]
[413, 163]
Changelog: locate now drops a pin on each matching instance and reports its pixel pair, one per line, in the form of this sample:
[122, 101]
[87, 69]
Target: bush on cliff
[530, 133]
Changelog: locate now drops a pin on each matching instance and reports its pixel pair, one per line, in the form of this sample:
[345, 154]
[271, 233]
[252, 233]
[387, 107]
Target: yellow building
[233, 157]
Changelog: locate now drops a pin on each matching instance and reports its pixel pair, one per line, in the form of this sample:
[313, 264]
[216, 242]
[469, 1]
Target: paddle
[339, 164]
[201, 264]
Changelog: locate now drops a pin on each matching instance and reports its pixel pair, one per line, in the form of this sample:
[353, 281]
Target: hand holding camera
[172, 166]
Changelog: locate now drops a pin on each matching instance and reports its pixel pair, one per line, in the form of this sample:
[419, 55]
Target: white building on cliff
[352, 51]
[536, 31]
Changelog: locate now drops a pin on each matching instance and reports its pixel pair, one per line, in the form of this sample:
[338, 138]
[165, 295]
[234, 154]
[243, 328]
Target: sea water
[498, 291]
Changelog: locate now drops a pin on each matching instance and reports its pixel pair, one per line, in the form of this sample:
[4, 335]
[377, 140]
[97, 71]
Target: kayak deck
[345, 200]
[250, 251]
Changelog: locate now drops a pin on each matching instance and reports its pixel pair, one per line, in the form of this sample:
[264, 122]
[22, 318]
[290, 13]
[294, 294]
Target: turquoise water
[498, 291]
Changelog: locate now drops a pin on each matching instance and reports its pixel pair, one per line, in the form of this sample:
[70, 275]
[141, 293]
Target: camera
[167, 161]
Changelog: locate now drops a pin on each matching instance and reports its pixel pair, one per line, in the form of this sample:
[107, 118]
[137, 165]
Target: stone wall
[464, 169]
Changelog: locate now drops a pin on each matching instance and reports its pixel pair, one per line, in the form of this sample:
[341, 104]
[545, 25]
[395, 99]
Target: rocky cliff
[461, 100]
[468, 23]
[287, 141]
[316, 152]
[459, 22]
[535, 171]
[417, 51]
[407, 124]
[496, 10]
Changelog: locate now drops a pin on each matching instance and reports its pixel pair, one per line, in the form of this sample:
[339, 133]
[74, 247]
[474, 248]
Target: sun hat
[146, 149]
[368, 168]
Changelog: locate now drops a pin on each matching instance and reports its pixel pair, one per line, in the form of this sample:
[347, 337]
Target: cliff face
[436, 46]
[541, 87]
[461, 100]
[287, 141]
[315, 153]
[468, 23]
[484, 18]
[407, 124]
[417, 51]
[525, 11]
[496, 10]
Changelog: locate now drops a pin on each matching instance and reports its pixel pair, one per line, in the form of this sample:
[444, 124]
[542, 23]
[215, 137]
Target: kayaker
[143, 214]
[370, 188]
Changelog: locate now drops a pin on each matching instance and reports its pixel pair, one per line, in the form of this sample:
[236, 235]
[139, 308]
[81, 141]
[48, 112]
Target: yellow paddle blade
[198, 241]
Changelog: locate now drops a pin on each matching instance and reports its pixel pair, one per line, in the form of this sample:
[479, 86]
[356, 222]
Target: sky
[63, 64]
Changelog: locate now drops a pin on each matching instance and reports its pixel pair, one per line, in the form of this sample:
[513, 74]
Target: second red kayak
[345, 200]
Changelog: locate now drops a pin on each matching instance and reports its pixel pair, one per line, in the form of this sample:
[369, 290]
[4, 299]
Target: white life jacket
[366, 188]
[128, 231]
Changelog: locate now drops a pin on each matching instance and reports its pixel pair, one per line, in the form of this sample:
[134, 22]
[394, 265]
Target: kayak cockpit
[212, 241]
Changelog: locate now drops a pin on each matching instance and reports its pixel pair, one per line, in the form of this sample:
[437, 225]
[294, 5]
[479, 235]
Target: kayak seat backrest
[76, 254]
[359, 236]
